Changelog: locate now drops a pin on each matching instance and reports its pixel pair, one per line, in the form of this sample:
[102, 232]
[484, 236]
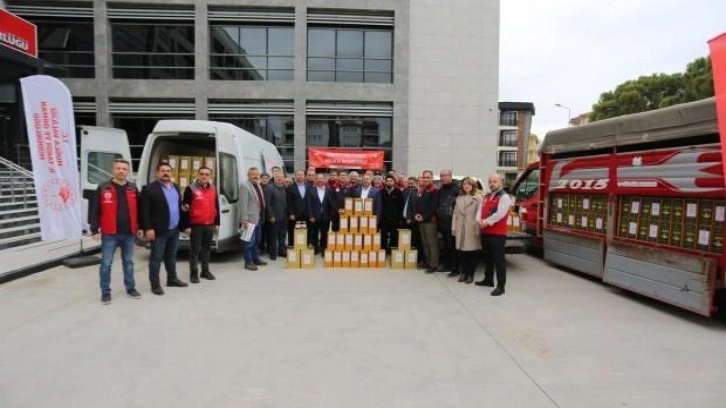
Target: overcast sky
[570, 51]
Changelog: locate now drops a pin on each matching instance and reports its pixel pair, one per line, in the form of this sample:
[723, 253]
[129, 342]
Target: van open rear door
[99, 148]
[228, 183]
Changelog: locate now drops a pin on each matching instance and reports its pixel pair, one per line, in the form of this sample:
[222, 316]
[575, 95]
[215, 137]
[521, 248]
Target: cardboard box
[340, 242]
[353, 224]
[173, 161]
[358, 242]
[348, 208]
[197, 163]
[337, 259]
[328, 259]
[368, 207]
[183, 183]
[411, 259]
[357, 206]
[404, 239]
[185, 164]
[307, 258]
[372, 224]
[363, 225]
[349, 238]
[367, 243]
[381, 258]
[376, 246]
[301, 238]
[373, 259]
[211, 162]
[344, 228]
[293, 259]
[364, 259]
[331, 243]
[345, 263]
[398, 259]
[355, 259]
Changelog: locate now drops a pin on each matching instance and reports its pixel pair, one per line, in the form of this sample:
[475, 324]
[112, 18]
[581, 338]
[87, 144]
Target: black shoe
[106, 299]
[260, 262]
[194, 278]
[208, 275]
[462, 278]
[273, 258]
[443, 269]
[484, 283]
[430, 270]
[498, 291]
[157, 290]
[469, 279]
[134, 293]
[176, 283]
[250, 267]
[452, 274]
[283, 254]
[421, 265]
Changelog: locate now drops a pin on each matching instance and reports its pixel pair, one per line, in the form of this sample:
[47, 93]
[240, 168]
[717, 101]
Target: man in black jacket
[296, 204]
[160, 219]
[322, 206]
[424, 214]
[391, 206]
[276, 216]
[447, 199]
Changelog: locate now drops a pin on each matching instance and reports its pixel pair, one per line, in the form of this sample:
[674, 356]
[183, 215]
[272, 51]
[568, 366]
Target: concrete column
[201, 60]
[301, 53]
[102, 50]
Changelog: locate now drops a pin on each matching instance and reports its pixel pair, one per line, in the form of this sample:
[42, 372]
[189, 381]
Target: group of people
[451, 223]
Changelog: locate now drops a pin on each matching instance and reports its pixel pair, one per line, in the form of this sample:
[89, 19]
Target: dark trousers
[201, 243]
[319, 234]
[164, 248]
[416, 240]
[449, 254]
[264, 232]
[335, 221]
[493, 247]
[467, 262]
[276, 235]
[389, 235]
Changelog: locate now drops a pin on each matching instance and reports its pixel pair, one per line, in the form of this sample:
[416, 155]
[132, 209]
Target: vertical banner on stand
[718, 65]
[52, 139]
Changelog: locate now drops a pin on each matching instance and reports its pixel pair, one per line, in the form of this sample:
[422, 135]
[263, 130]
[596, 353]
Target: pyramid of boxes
[300, 256]
[357, 244]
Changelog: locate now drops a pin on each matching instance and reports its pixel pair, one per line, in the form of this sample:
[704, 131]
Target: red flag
[718, 65]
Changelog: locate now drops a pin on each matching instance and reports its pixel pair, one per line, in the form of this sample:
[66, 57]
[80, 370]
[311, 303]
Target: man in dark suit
[366, 190]
[322, 206]
[296, 205]
[160, 216]
[276, 216]
[391, 209]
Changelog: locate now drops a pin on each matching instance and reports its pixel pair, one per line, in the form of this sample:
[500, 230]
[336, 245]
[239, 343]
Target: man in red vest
[201, 220]
[114, 220]
[493, 224]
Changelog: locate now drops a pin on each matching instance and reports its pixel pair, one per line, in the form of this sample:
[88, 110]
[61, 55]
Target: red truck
[637, 201]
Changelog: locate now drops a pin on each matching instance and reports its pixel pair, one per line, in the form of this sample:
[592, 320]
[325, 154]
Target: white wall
[453, 86]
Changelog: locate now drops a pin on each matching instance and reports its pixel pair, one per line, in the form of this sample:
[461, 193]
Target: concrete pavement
[351, 338]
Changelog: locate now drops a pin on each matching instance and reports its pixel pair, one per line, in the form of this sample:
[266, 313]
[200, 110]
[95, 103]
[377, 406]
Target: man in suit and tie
[297, 207]
[322, 205]
[366, 190]
[252, 210]
[276, 215]
[161, 208]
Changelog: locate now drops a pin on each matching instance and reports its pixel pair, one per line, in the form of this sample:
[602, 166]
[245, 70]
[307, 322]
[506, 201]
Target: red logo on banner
[718, 64]
[346, 158]
[18, 34]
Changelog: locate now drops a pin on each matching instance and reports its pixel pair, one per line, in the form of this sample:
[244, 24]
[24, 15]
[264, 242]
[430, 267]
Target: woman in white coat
[465, 228]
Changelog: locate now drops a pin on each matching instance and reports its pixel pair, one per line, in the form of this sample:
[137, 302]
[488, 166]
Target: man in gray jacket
[276, 216]
[252, 210]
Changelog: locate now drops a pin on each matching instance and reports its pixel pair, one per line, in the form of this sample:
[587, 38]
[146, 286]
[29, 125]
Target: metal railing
[20, 182]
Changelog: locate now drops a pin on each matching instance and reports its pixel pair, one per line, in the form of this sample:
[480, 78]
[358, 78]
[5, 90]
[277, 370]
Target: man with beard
[391, 205]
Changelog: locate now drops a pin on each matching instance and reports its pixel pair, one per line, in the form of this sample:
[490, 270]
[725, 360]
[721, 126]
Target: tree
[656, 91]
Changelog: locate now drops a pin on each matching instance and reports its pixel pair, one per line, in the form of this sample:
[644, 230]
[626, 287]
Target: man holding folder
[251, 210]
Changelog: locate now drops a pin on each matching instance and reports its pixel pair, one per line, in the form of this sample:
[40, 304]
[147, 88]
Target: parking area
[351, 338]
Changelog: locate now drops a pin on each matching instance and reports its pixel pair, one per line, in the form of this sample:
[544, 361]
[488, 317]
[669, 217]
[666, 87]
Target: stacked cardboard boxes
[184, 168]
[582, 212]
[357, 244]
[688, 223]
[300, 256]
[405, 256]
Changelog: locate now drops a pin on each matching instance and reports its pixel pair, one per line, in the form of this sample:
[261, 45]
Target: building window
[67, 44]
[350, 55]
[508, 139]
[351, 132]
[508, 118]
[153, 50]
[251, 53]
[507, 159]
[278, 130]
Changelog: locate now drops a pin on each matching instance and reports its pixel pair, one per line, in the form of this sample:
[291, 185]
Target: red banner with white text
[346, 158]
[718, 65]
[18, 34]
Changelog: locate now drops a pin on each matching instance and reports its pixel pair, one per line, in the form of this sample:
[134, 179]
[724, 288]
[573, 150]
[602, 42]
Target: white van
[235, 151]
